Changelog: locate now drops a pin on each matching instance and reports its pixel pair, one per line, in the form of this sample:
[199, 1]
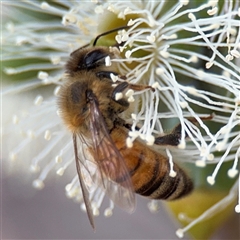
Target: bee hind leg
[173, 139]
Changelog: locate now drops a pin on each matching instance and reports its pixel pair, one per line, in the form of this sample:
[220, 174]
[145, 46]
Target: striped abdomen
[149, 170]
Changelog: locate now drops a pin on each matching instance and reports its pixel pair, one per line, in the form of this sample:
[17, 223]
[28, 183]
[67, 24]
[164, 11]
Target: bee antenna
[108, 32]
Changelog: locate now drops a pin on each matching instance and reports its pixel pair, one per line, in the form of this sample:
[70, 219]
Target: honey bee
[90, 110]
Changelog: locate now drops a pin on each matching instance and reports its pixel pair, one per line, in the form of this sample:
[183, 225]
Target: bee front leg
[122, 86]
[173, 139]
[105, 74]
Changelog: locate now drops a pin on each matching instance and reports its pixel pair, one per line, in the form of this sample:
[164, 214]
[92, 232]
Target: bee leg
[129, 126]
[105, 74]
[174, 137]
[119, 88]
[140, 87]
[124, 85]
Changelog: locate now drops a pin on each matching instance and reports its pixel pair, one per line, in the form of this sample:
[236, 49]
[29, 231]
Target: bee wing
[85, 192]
[113, 174]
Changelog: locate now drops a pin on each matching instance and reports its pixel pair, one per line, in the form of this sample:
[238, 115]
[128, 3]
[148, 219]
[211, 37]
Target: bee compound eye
[94, 59]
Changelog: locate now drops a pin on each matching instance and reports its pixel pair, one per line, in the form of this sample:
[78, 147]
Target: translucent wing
[82, 184]
[112, 173]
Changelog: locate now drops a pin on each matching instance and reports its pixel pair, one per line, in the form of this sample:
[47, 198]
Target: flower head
[189, 53]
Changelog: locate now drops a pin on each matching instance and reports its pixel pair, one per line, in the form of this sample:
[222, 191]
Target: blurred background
[28, 213]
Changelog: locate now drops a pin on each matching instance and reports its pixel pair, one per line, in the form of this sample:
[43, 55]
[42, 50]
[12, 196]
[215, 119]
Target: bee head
[90, 59]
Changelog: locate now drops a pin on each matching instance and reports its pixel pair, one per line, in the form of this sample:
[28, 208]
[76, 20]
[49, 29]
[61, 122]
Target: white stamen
[150, 139]
[184, 2]
[38, 100]
[10, 71]
[134, 116]
[60, 171]
[151, 38]
[232, 173]
[212, 3]
[183, 104]
[130, 22]
[83, 207]
[182, 145]
[180, 233]
[47, 135]
[131, 99]
[193, 59]
[118, 38]
[229, 57]
[31, 134]
[172, 173]
[211, 180]
[42, 75]
[108, 212]
[114, 77]
[153, 206]
[55, 60]
[44, 5]
[122, 48]
[165, 54]
[212, 11]
[127, 11]
[58, 159]
[159, 71]
[57, 90]
[129, 93]
[20, 40]
[69, 18]
[151, 21]
[129, 142]
[155, 85]
[121, 15]
[235, 53]
[200, 163]
[128, 54]
[108, 61]
[38, 184]
[219, 146]
[118, 96]
[68, 187]
[59, 112]
[133, 134]
[210, 157]
[34, 168]
[209, 65]
[95, 208]
[237, 208]
[99, 9]
[191, 16]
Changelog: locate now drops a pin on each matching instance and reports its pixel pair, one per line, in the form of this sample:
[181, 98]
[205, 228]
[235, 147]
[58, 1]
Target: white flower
[191, 61]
